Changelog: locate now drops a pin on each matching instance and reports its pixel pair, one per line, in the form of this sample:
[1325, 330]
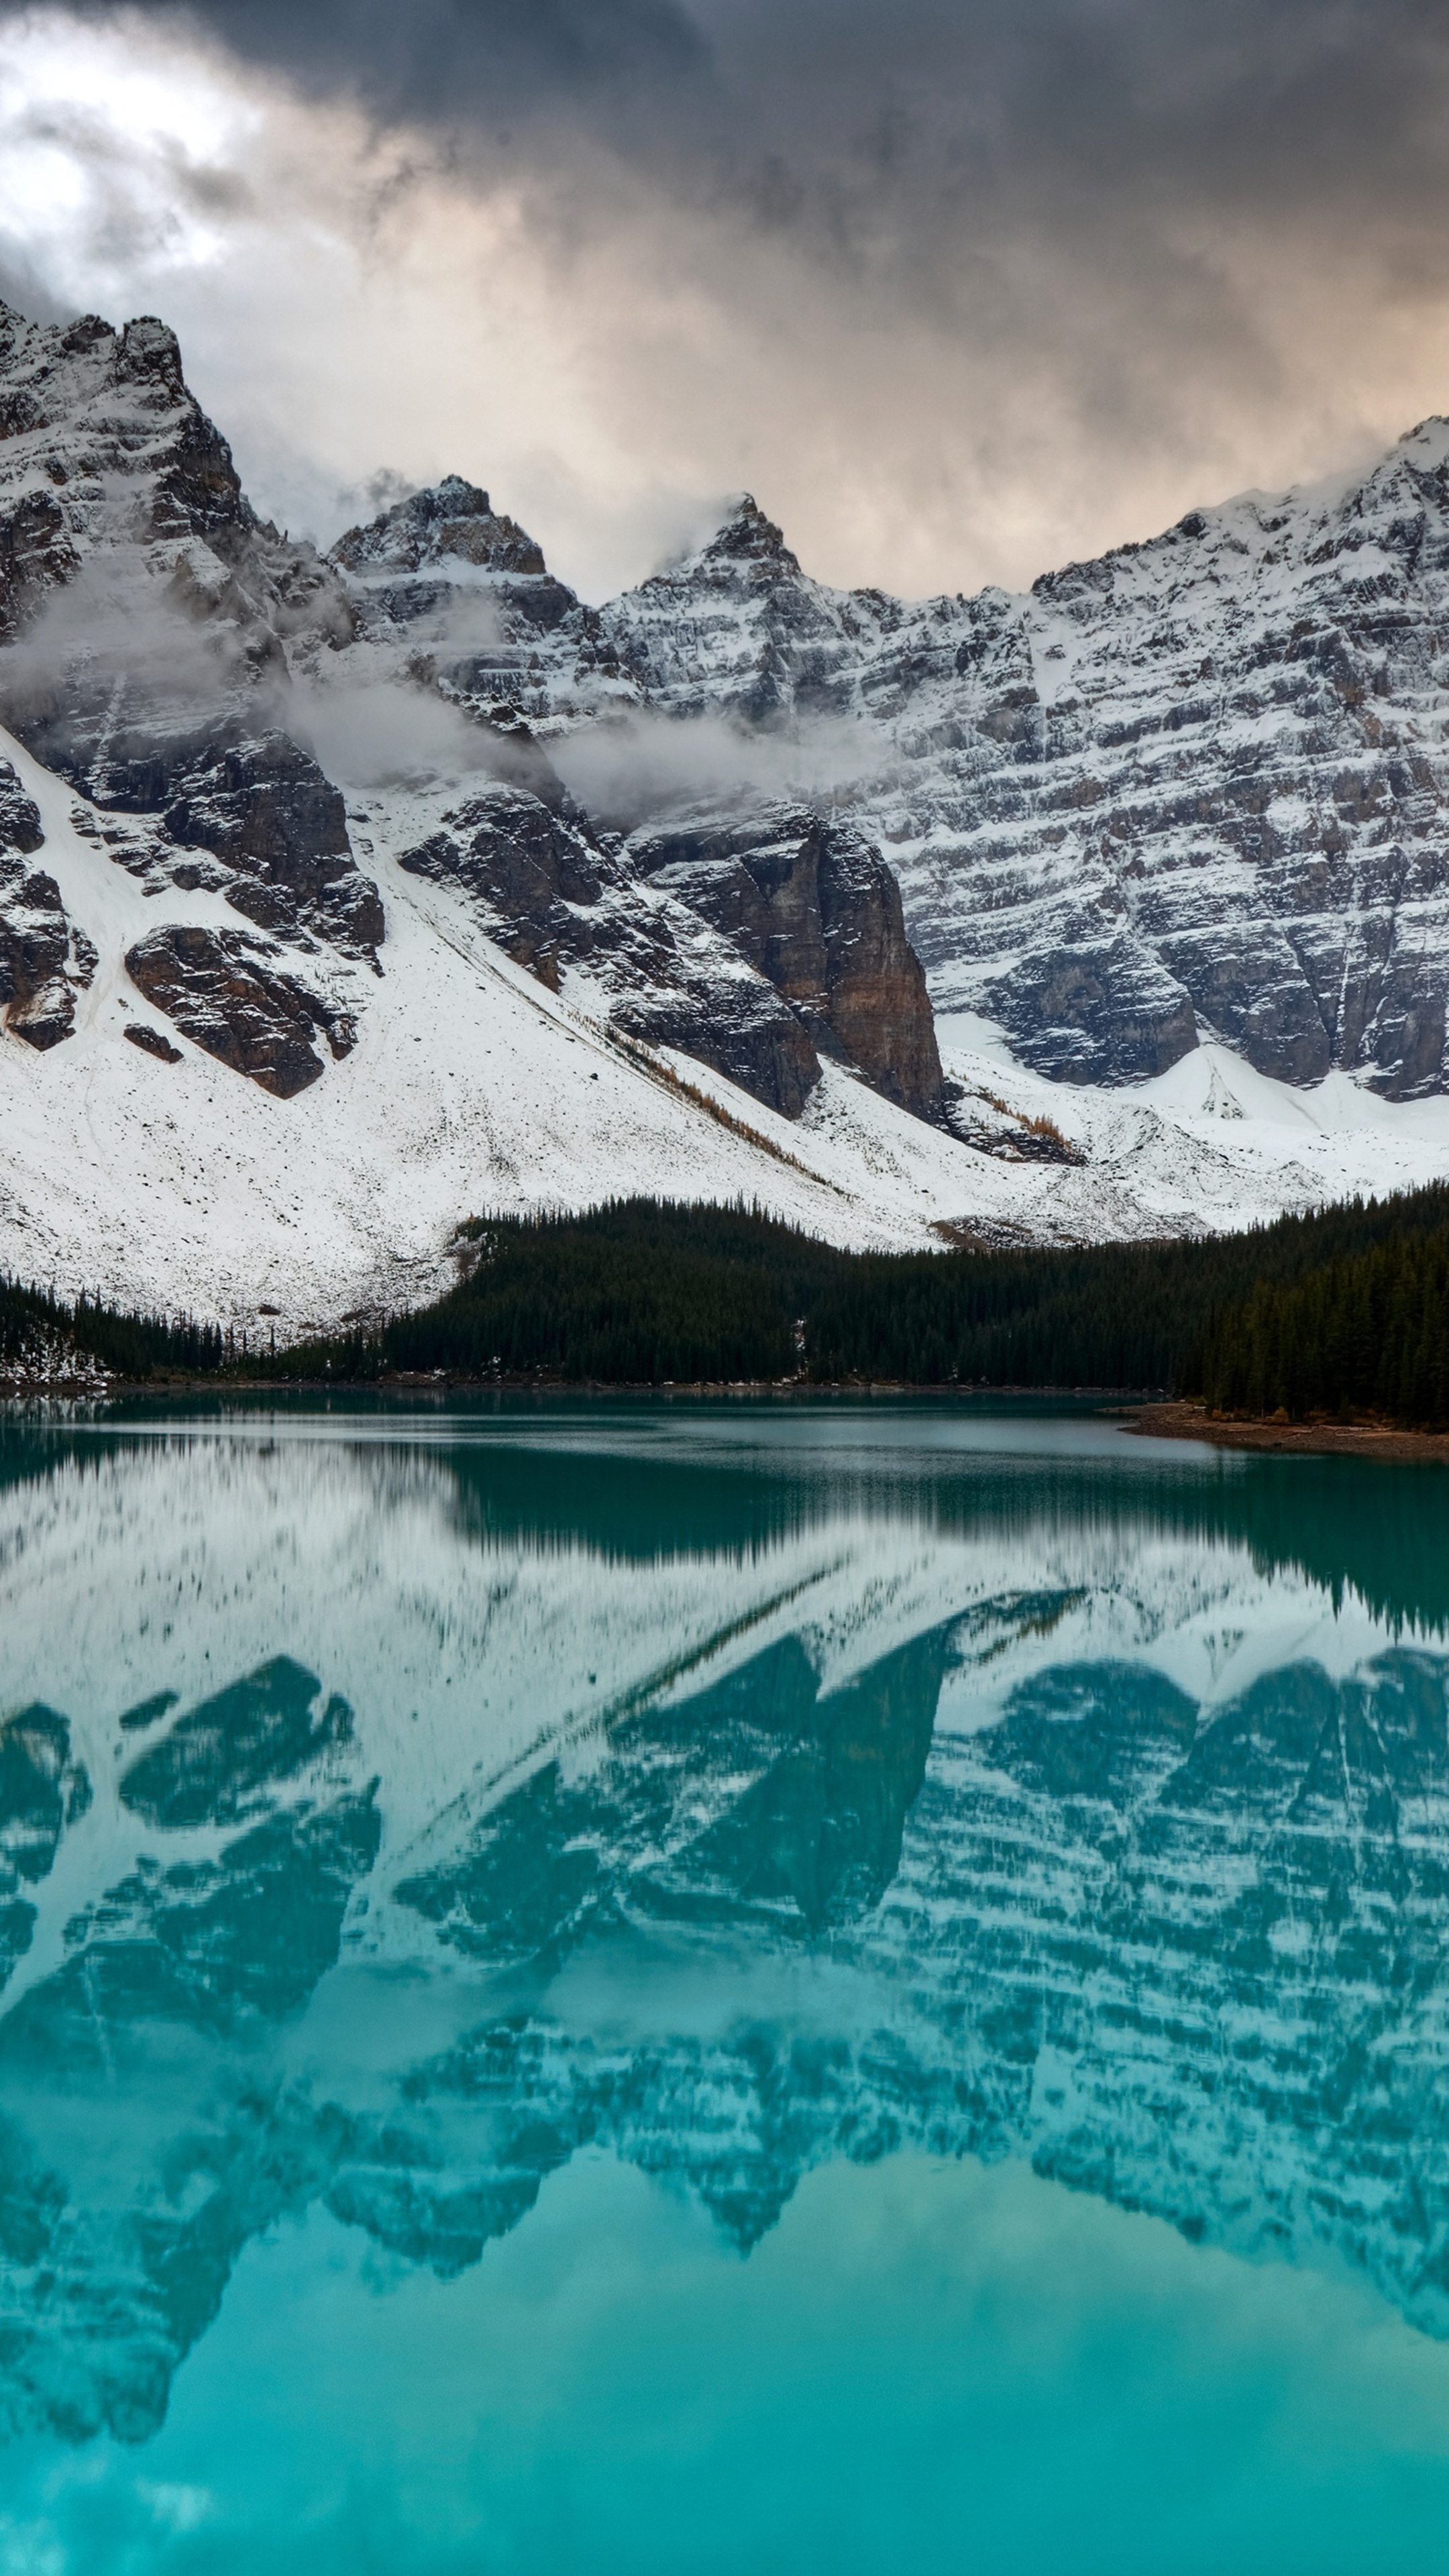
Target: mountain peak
[454, 518]
[1428, 439]
[747, 536]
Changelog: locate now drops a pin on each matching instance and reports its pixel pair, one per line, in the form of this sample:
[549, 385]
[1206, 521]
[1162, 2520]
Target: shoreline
[1111, 1399]
[1147, 1417]
[1184, 1421]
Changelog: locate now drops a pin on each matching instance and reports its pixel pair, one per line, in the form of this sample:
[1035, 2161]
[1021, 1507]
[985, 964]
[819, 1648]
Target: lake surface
[665, 1988]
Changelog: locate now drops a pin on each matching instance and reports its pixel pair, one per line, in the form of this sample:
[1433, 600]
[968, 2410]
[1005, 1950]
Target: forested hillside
[644, 1293]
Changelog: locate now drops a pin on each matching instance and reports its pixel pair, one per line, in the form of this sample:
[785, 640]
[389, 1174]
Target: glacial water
[621, 1989]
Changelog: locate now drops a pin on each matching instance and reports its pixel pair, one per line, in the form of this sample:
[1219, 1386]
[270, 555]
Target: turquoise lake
[663, 1989]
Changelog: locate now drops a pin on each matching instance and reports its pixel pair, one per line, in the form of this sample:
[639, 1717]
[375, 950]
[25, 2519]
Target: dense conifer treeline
[1365, 1335]
[35, 1324]
[1344, 1310]
[644, 1293]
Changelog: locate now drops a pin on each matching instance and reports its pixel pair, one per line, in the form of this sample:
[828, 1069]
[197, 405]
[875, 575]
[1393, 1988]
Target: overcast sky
[959, 288]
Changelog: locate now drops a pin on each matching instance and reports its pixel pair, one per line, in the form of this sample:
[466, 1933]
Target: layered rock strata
[1198, 786]
[226, 992]
[546, 890]
[1199, 783]
[465, 597]
[467, 594]
[152, 634]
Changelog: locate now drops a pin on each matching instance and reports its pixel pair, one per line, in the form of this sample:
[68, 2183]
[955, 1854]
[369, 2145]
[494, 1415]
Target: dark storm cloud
[896, 136]
[1011, 171]
[837, 117]
[456, 61]
[958, 285]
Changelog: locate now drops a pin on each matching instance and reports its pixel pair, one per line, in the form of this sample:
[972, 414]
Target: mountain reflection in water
[394, 1805]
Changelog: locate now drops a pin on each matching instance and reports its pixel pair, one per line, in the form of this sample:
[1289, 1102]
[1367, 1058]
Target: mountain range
[344, 896]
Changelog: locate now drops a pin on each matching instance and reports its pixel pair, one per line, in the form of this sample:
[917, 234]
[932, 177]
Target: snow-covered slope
[470, 1088]
[473, 1088]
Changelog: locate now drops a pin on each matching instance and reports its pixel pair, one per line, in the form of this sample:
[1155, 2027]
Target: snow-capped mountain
[1197, 787]
[343, 897]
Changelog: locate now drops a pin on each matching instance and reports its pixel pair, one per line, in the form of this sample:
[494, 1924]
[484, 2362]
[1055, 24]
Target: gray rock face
[37, 942]
[1201, 783]
[20, 826]
[467, 591]
[35, 947]
[146, 616]
[221, 990]
[264, 810]
[151, 1042]
[554, 898]
[812, 905]
[446, 551]
[151, 632]
[1101, 1010]
[466, 596]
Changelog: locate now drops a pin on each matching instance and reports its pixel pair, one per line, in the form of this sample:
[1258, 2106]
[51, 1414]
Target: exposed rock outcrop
[467, 594]
[554, 898]
[1102, 1009]
[151, 624]
[1200, 783]
[20, 826]
[36, 938]
[35, 942]
[221, 991]
[259, 806]
[467, 591]
[737, 629]
[151, 1042]
[813, 906]
[146, 615]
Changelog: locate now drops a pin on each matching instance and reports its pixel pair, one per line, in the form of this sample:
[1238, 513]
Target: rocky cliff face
[145, 619]
[1199, 785]
[145, 611]
[752, 941]
[468, 593]
[811, 904]
[559, 903]
[41, 957]
[1192, 791]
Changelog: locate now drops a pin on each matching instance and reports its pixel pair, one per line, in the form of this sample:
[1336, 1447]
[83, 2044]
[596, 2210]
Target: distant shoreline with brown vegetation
[1188, 1421]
